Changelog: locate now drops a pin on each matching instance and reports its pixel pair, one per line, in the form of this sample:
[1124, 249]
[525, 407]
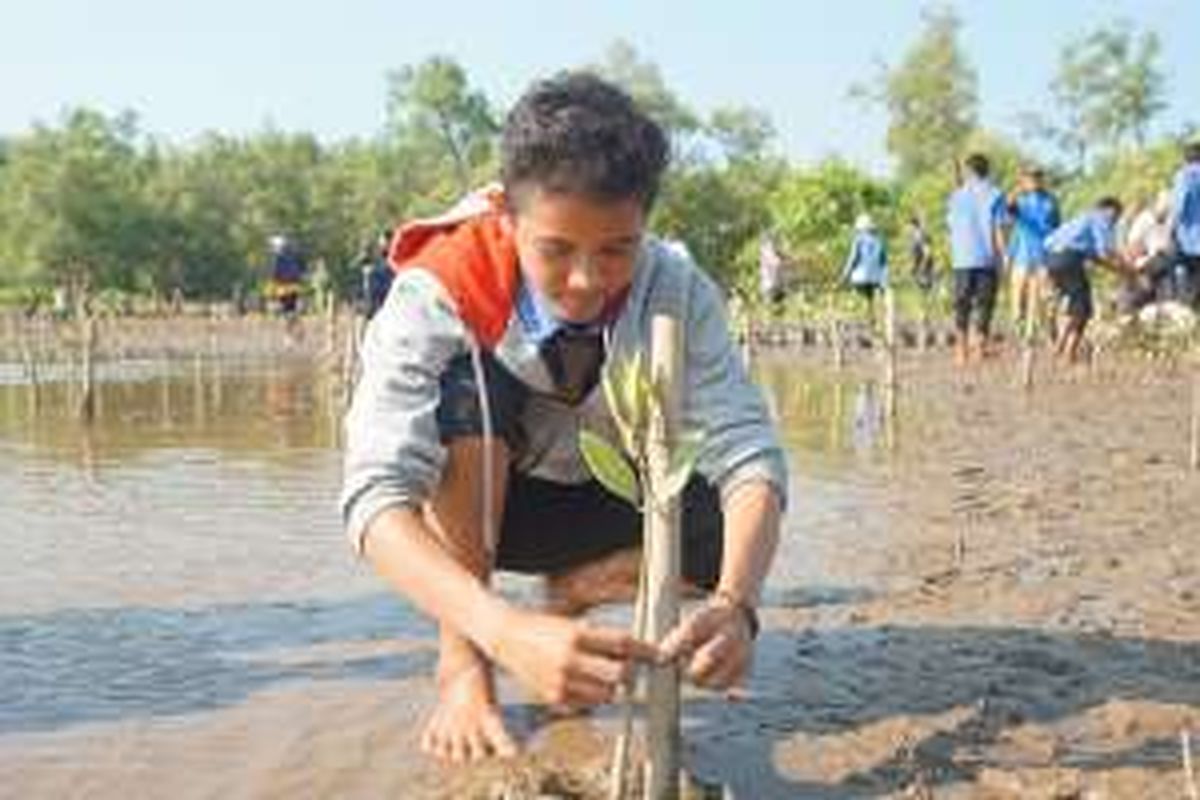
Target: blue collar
[539, 321]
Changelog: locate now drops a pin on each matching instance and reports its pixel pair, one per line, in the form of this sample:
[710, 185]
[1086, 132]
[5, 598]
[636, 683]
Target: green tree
[71, 207]
[644, 82]
[813, 212]
[741, 133]
[930, 97]
[1108, 89]
[436, 116]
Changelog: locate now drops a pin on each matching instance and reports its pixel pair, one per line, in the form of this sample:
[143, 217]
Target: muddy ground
[997, 596]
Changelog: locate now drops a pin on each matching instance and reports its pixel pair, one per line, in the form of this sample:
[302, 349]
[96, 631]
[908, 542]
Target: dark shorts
[550, 526]
[1068, 274]
[1187, 279]
[974, 291]
[866, 290]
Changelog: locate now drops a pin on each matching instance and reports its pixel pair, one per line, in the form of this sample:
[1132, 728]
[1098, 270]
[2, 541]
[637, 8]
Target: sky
[237, 66]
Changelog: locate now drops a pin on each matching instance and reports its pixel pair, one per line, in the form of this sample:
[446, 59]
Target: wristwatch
[748, 611]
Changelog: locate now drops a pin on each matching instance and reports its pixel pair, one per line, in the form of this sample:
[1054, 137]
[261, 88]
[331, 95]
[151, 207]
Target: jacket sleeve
[393, 452]
[741, 443]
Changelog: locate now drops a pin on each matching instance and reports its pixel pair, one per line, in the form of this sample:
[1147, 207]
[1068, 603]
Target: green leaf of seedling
[634, 392]
[609, 467]
[612, 395]
[683, 460]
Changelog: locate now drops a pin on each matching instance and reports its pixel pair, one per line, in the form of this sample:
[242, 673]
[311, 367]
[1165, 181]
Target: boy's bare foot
[466, 724]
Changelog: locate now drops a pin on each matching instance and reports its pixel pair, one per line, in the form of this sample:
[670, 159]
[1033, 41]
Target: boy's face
[577, 252]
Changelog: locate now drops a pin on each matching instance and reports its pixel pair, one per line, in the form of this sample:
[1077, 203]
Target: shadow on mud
[834, 681]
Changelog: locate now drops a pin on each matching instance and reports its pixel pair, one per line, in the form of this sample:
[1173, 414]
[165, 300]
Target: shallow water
[945, 609]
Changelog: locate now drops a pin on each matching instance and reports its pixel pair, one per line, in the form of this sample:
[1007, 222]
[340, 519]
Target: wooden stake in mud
[1189, 775]
[835, 336]
[29, 358]
[892, 344]
[87, 399]
[351, 356]
[1194, 456]
[663, 563]
[1032, 310]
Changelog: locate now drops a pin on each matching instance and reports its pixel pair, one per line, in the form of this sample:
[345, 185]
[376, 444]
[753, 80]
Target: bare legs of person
[961, 346]
[1023, 287]
[466, 724]
[1070, 335]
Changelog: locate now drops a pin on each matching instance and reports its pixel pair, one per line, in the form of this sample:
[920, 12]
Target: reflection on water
[156, 561]
[837, 416]
[270, 410]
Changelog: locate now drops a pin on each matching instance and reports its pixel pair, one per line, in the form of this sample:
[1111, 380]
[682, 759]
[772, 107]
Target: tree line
[95, 202]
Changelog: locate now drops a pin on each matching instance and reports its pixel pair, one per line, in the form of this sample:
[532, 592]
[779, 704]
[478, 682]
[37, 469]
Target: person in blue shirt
[1091, 236]
[1185, 225]
[1034, 214]
[866, 266]
[287, 275]
[975, 215]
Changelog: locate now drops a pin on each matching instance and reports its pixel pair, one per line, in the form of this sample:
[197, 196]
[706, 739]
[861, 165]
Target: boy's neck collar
[541, 322]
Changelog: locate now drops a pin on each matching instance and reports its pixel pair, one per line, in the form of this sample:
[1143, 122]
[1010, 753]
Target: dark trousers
[974, 292]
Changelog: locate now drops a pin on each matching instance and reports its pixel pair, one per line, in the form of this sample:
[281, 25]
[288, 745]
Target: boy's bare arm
[716, 640]
[408, 555]
[752, 518]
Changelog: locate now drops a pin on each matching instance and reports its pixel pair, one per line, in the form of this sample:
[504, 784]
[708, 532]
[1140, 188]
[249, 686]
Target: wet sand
[996, 597]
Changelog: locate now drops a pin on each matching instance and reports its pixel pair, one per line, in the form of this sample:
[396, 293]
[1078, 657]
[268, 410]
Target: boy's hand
[716, 642]
[566, 661]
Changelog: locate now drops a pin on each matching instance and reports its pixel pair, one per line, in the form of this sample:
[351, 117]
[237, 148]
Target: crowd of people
[1047, 259]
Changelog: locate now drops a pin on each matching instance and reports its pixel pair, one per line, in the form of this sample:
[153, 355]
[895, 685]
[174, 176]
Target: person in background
[287, 275]
[1088, 238]
[920, 251]
[866, 268]
[1148, 250]
[770, 271]
[377, 275]
[1184, 223]
[1034, 214]
[975, 215]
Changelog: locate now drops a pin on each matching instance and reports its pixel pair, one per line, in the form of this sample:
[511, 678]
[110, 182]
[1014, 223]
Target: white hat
[864, 223]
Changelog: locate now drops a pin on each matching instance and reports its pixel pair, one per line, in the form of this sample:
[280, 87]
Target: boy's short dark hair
[579, 134]
[1110, 203]
[978, 165]
[1191, 152]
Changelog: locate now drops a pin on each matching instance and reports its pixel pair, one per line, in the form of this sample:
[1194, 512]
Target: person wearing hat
[866, 268]
[1034, 214]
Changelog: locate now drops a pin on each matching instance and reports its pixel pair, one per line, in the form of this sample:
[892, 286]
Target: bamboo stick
[1194, 455]
[1189, 775]
[87, 399]
[892, 344]
[1032, 310]
[663, 565]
